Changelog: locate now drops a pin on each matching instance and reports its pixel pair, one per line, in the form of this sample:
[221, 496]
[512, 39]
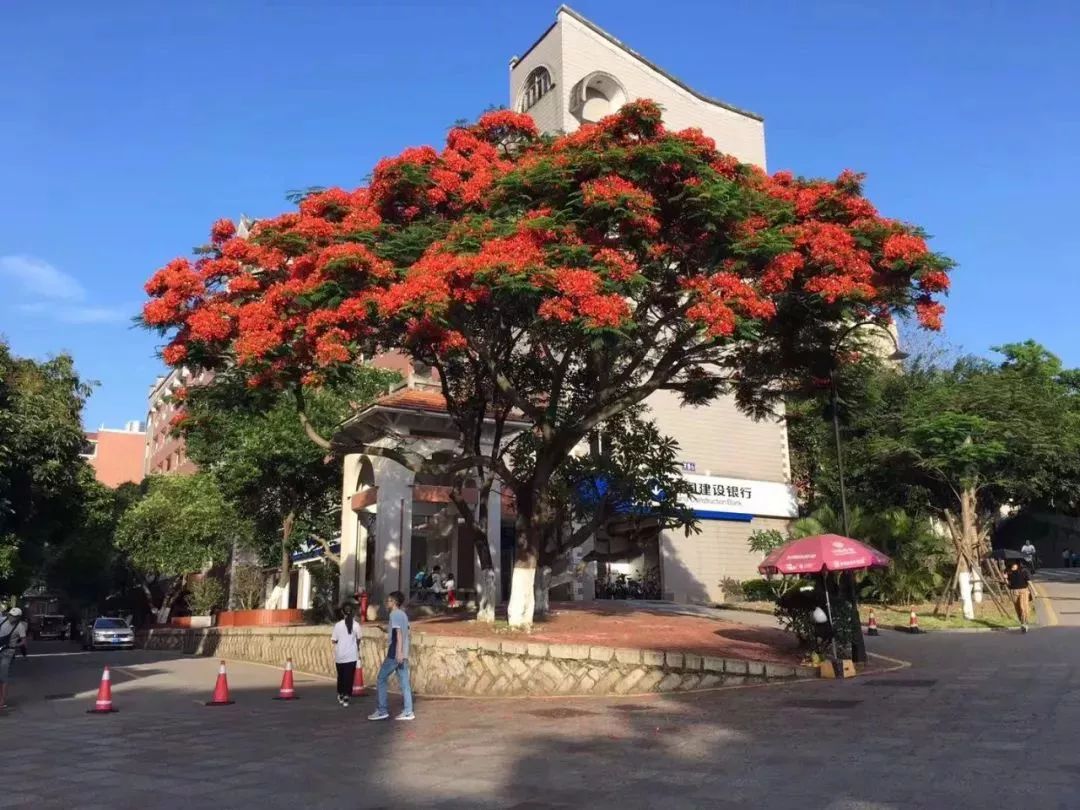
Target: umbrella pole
[828, 611]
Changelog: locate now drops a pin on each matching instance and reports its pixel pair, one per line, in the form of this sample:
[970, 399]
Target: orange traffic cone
[871, 625]
[103, 704]
[358, 679]
[221, 689]
[913, 623]
[287, 692]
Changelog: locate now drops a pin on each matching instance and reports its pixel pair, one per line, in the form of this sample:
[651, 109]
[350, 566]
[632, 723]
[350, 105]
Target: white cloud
[40, 279]
[54, 294]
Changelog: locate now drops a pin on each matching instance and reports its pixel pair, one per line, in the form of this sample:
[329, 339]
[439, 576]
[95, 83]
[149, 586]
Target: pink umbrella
[821, 553]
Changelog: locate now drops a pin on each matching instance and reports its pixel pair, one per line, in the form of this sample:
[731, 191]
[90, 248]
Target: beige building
[577, 73]
[165, 453]
[393, 521]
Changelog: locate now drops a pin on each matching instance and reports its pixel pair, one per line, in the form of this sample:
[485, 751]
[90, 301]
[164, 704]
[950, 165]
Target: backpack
[429, 581]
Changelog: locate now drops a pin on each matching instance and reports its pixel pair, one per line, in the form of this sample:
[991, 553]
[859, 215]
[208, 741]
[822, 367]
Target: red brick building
[117, 455]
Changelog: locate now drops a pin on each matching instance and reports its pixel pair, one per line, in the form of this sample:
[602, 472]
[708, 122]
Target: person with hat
[12, 638]
[345, 639]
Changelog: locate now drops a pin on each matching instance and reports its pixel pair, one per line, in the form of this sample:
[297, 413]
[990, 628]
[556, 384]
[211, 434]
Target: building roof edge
[596, 29]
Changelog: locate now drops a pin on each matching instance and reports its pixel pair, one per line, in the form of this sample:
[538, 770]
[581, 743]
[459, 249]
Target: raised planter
[446, 665]
[260, 618]
[192, 621]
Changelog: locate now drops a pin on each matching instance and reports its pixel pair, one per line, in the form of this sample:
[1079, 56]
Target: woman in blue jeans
[397, 660]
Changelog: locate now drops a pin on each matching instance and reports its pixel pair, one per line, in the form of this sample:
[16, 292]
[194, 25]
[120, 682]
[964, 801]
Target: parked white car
[107, 633]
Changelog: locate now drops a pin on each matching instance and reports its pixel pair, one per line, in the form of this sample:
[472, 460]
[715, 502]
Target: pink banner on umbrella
[829, 552]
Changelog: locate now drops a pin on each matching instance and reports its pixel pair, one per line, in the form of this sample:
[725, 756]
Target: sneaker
[345, 702]
[379, 715]
[340, 700]
[406, 716]
[1023, 628]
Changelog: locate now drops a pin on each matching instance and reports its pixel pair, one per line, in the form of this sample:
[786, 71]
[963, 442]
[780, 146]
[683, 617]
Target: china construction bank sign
[718, 498]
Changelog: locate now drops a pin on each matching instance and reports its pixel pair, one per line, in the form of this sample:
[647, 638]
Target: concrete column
[393, 530]
[350, 472]
[494, 537]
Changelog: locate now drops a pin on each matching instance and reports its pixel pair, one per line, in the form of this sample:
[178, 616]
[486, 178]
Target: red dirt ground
[615, 625]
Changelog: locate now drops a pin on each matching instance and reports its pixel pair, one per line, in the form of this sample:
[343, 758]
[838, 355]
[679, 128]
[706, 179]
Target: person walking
[397, 660]
[1028, 550]
[1020, 591]
[12, 639]
[345, 639]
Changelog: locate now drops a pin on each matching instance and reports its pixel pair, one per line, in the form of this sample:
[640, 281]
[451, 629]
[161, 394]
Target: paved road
[981, 719]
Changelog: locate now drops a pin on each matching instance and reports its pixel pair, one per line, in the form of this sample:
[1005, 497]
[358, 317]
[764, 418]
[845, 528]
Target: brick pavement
[951, 731]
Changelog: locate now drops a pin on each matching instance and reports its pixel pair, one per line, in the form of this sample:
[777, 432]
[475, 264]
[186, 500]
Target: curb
[1048, 606]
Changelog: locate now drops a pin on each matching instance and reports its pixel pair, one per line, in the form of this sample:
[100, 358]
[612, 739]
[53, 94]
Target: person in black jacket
[1020, 591]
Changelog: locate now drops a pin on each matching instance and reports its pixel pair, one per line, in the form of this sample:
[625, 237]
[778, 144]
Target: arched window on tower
[537, 85]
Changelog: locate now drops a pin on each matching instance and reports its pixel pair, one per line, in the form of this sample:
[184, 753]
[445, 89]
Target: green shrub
[205, 596]
[761, 590]
[733, 590]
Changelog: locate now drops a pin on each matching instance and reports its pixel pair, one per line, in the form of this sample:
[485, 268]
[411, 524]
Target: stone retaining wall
[448, 665]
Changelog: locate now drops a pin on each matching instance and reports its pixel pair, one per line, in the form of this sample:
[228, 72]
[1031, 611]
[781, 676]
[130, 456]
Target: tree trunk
[542, 588]
[969, 551]
[161, 614]
[522, 606]
[286, 558]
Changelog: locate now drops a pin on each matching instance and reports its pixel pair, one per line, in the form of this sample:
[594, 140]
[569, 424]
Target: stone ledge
[464, 666]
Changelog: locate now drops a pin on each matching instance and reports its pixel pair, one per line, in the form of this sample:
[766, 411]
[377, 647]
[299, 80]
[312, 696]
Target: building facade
[116, 455]
[164, 453]
[394, 521]
[575, 74]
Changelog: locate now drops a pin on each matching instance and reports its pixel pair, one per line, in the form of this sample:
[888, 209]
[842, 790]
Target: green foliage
[41, 437]
[763, 541]
[184, 524]
[248, 586]
[762, 590]
[920, 554]
[205, 596]
[254, 446]
[325, 577]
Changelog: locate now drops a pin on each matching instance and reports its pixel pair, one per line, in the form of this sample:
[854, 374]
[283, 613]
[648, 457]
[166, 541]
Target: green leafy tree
[183, 525]
[41, 437]
[958, 441]
[254, 445]
[86, 567]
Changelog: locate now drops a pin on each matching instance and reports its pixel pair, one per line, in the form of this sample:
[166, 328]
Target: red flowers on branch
[620, 228]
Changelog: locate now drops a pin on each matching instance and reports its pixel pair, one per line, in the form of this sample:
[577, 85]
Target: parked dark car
[50, 627]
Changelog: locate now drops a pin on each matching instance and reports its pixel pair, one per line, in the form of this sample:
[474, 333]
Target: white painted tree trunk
[161, 615]
[964, 581]
[522, 597]
[487, 597]
[543, 588]
[977, 587]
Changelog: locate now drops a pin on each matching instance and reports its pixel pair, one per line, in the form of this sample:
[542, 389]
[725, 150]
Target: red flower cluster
[549, 233]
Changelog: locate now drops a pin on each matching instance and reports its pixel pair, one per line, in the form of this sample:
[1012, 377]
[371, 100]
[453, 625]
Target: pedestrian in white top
[12, 639]
[346, 642]
[1028, 550]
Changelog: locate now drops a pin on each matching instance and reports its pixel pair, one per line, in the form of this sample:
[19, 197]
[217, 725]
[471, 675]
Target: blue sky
[128, 127]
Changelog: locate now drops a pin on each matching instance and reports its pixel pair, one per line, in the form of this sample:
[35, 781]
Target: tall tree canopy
[183, 525]
[567, 278]
[41, 437]
[251, 442]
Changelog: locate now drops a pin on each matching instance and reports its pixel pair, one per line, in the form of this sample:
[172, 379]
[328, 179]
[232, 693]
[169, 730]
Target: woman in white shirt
[345, 639]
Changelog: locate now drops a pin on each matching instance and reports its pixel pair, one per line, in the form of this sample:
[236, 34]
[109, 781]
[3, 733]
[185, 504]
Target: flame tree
[564, 279]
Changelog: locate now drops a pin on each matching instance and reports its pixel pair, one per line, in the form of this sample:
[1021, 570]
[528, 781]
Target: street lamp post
[858, 644]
